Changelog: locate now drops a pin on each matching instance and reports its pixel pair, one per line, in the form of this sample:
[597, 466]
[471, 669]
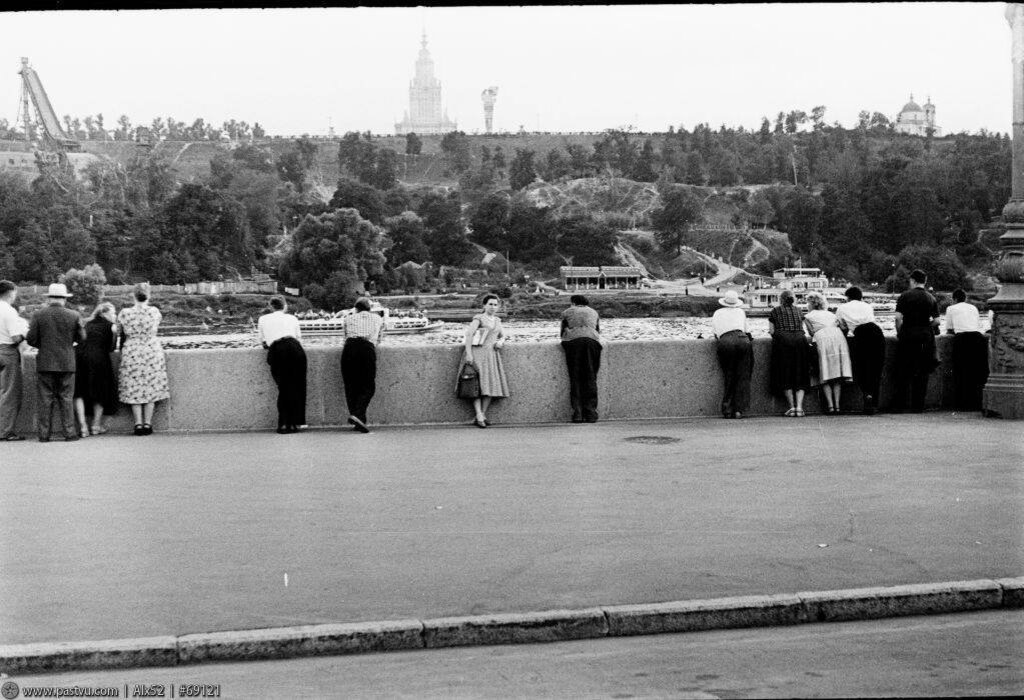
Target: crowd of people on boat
[816, 349]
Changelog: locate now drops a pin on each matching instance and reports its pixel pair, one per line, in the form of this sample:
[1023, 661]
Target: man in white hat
[54, 330]
[735, 354]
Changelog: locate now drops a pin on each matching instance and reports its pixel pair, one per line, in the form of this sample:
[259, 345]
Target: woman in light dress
[485, 357]
[834, 366]
[142, 378]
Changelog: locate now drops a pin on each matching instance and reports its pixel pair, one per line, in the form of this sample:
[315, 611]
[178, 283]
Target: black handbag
[469, 382]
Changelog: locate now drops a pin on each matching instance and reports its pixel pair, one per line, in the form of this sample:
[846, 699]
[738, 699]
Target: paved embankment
[981, 654]
[119, 537]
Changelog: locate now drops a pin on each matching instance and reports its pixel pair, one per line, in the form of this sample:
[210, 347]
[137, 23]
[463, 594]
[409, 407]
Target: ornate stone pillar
[1004, 392]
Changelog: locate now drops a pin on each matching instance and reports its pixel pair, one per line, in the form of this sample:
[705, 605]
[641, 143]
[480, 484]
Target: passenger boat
[395, 322]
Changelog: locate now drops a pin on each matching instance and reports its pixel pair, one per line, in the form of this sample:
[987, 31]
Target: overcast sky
[582, 68]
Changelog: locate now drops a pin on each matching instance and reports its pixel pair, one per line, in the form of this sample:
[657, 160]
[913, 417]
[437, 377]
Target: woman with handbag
[484, 357]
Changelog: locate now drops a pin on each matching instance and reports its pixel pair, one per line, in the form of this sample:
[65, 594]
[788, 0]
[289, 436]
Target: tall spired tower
[425, 115]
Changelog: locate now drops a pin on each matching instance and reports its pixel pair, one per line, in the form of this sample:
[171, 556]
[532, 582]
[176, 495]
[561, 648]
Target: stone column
[1004, 392]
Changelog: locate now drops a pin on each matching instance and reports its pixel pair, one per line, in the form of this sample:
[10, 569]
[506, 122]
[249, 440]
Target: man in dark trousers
[581, 340]
[54, 330]
[917, 319]
[12, 331]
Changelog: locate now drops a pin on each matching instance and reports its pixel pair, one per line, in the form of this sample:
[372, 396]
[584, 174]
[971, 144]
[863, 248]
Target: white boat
[395, 322]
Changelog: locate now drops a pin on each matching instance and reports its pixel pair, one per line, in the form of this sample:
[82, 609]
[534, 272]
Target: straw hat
[58, 290]
[731, 298]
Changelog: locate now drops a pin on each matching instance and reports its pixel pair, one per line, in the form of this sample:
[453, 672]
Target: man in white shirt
[970, 353]
[867, 345]
[279, 332]
[735, 354]
[12, 331]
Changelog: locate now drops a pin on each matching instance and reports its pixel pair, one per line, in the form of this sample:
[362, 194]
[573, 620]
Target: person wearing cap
[363, 331]
[735, 354]
[867, 345]
[142, 376]
[54, 330]
[12, 331]
[917, 320]
[279, 332]
[970, 352]
[581, 341]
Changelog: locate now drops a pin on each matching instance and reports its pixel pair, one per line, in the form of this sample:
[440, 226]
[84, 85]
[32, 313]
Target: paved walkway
[975, 654]
[118, 536]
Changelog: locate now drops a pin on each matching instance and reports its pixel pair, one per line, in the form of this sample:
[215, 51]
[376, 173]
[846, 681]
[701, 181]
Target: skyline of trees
[857, 202]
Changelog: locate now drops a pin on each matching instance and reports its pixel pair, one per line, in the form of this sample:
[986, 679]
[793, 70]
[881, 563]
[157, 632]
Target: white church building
[917, 120]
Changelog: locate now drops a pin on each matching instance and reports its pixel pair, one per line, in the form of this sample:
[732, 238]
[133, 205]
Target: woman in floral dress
[484, 355]
[142, 378]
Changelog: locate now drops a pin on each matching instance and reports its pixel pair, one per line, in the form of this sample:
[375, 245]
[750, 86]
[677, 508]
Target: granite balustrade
[231, 389]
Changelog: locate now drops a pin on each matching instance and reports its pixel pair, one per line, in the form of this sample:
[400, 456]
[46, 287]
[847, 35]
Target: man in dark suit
[54, 331]
[917, 322]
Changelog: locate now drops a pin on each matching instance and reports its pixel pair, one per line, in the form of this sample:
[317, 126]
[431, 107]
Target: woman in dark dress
[791, 357]
[94, 373]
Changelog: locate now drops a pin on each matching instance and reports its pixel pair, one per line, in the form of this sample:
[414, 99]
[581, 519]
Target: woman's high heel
[480, 423]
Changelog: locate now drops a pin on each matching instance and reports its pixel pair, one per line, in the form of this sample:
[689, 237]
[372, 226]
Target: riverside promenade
[118, 536]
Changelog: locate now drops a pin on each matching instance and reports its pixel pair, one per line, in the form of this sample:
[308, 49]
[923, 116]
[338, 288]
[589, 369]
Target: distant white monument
[425, 115]
[917, 120]
[489, 96]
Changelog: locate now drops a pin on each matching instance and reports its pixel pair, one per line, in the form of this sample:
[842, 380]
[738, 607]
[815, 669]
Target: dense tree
[522, 171]
[944, 270]
[489, 222]
[339, 251]
[357, 157]
[364, 198]
[585, 240]
[680, 209]
[456, 149]
[407, 233]
[86, 285]
[531, 232]
[442, 215]
[413, 144]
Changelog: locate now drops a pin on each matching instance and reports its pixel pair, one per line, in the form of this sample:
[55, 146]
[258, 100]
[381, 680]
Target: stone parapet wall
[231, 389]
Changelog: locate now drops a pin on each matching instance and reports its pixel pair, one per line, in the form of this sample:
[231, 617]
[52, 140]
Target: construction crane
[32, 92]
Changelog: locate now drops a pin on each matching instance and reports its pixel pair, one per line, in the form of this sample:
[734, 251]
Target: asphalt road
[118, 536]
[948, 655]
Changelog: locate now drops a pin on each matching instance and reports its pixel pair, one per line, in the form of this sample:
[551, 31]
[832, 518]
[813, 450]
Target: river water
[517, 332]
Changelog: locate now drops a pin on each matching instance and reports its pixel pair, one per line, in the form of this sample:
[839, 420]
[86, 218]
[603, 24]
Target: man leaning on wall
[581, 340]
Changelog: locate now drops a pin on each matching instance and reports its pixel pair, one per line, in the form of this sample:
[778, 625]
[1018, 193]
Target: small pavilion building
[601, 277]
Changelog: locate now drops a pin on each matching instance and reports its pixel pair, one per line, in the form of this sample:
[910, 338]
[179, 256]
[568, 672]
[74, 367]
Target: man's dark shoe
[360, 425]
[44, 439]
[577, 419]
[13, 438]
[71, 438]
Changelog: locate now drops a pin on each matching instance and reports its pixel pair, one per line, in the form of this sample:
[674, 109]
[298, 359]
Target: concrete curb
[517, 628]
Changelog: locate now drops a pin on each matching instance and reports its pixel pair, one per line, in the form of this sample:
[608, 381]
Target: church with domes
[425, 115]
[917, 120]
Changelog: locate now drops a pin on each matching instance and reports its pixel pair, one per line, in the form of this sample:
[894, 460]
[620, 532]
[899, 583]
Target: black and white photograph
[736, 292]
